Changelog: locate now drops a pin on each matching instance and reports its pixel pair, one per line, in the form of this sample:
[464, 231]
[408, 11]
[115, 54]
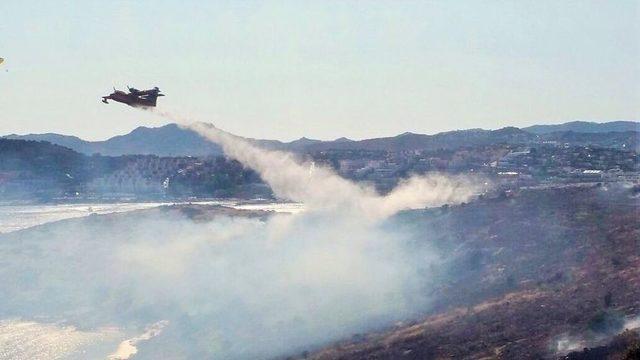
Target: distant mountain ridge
[585, 127]
[172, 140]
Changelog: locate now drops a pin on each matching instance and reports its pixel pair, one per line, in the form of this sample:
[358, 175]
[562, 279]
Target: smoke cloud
[235, 287]
[231, 288]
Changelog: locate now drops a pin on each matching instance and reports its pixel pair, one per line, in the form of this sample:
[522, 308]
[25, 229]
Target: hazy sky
[321, 69]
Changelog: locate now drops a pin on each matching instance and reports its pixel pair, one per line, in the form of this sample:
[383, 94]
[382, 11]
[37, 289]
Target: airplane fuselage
[145, 98]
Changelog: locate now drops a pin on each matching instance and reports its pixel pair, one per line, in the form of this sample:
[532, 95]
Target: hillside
[35, 168]
[40, 170]
[534, 275]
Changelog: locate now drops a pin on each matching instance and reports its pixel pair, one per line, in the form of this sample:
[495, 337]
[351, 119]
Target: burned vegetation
[538, 274]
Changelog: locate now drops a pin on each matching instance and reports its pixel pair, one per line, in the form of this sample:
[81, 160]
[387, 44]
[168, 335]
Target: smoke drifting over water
[229, 288]
[236, 287]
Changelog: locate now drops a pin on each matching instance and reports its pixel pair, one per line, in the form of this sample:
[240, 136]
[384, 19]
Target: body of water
[18, 217]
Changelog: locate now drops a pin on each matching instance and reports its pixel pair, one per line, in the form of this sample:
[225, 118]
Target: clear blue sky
[322, 69]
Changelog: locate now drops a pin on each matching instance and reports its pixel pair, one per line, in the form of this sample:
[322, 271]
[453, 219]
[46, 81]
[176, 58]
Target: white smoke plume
[320, 188]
